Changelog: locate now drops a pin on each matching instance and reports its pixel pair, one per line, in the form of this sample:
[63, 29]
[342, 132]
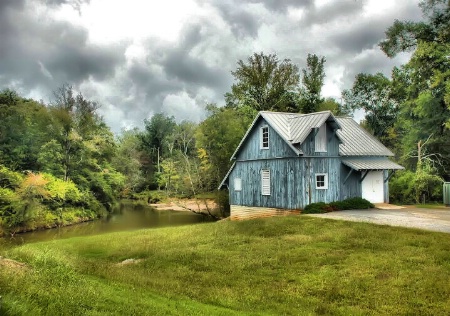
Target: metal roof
[356, 141]
[371, 164]
[295, 127]
[301, 125]
[278, 121]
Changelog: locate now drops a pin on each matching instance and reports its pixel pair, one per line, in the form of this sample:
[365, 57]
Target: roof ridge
[314, 113]
[297, 114]
[276, 112]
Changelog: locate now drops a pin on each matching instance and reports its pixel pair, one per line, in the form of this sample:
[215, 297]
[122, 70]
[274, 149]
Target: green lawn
[278, 266]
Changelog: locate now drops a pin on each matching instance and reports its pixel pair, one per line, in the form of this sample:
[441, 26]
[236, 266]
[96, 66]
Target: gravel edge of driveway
[426, 219]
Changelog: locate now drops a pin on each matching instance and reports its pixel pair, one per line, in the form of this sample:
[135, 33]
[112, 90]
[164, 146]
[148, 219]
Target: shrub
[428, 187]
[155, 196]
[348, 204]
[315, 208]
[401, 187]
[8, 178]
[62, 192]
[221, 198]
[355, 203]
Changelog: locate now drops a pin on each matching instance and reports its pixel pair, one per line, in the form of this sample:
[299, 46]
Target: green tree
[157, 143]
[421, 186]
[184, 136]
[219, 135]
[82, 147]
[424, 83]
[373, 94]
[11, 212]
[157, 130]
[330, 104]
[128, 160]
[23, 130]
[264, 83]
[313, 79]
[78, 132]
[70, 143]
[406, 35]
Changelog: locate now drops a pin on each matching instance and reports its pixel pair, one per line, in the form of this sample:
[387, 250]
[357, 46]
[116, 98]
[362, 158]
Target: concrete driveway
[427, 219]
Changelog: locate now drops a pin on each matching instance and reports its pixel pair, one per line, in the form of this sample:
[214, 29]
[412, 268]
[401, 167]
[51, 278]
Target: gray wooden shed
[286, 161]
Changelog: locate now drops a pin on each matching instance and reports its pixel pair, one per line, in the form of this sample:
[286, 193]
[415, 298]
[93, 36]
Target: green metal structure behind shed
[446, 193]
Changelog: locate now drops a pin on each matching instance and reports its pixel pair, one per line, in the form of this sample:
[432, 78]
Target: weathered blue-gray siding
[308, 146]
[352, 186]
[292, 182]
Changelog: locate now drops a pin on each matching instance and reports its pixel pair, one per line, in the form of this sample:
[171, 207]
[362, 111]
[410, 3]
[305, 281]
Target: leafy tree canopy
[372, 93]
[264, 83]
[313, 79]
[405, 35]
[423, 84]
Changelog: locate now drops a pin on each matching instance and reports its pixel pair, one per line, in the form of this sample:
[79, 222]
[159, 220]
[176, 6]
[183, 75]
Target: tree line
[56, 161]
[408, 111]
[60, 162]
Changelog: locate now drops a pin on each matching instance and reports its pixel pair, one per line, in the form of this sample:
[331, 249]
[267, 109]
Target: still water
[126, 216]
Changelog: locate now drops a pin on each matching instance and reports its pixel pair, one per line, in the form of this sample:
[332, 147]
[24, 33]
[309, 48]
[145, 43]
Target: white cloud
[110, 21]
[139, 57]
[182, 107]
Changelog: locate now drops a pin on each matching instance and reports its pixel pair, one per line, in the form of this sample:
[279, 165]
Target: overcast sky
[140, 57]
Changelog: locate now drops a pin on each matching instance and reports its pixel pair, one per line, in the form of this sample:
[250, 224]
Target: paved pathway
[428, 219]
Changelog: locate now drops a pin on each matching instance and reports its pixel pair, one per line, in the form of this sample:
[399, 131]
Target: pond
[125, 216]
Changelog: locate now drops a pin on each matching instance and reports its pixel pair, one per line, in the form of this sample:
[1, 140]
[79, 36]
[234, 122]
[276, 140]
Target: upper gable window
[264, 137]
[321, 139]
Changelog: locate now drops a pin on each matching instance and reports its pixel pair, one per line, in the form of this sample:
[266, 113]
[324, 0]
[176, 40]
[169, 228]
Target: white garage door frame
[372, 186]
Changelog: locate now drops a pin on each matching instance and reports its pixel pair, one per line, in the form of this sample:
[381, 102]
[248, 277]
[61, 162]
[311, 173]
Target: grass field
[277, 266]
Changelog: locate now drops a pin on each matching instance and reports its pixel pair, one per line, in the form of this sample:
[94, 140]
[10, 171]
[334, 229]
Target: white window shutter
[321, 139]
[237, 184]
[265, 182]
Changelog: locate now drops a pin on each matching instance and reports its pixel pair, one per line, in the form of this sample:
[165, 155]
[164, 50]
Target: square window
[321, 181]
[265, 137]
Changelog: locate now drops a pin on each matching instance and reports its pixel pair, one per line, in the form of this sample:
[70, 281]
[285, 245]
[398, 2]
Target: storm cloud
[140, 58]
[38, 51]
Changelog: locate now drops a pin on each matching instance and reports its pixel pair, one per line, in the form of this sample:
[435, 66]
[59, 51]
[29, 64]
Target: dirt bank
[191, 205]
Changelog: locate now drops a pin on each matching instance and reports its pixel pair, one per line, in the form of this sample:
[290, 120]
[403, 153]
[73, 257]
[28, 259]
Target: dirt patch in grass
[13, 265]
[129, 261]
